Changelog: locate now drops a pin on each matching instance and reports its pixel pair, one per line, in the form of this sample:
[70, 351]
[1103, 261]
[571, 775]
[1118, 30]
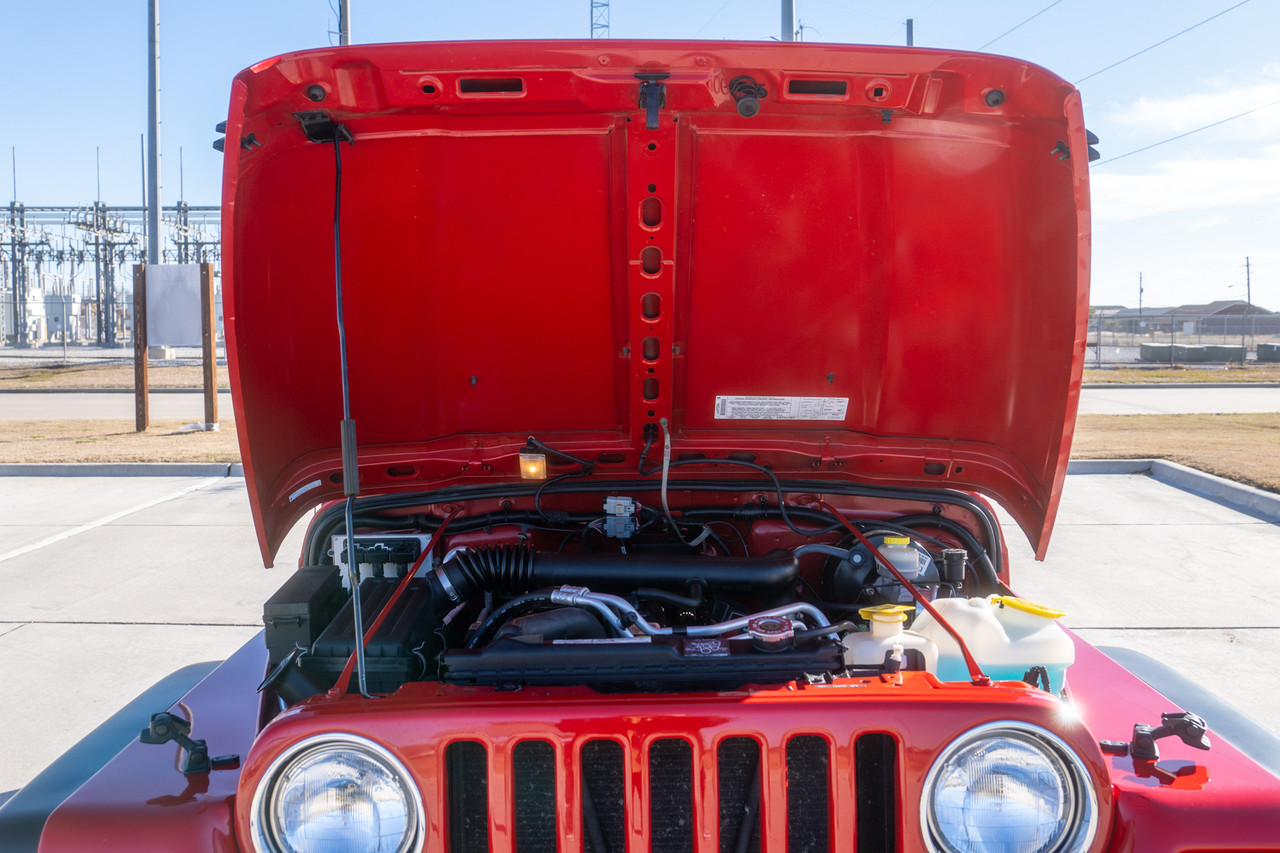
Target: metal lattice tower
[599, 19]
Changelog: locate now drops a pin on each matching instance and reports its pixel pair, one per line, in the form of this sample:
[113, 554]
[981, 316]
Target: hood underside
[881, 277]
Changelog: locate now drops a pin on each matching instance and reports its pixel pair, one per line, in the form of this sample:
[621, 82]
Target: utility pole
[153, 129]
[344, 22]
[911, 32]
[788, 20]
[1140, 326]
[1248, 303]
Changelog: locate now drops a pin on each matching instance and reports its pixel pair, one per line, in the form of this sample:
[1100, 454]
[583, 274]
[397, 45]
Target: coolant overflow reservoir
[1006, 635]
[887, 643]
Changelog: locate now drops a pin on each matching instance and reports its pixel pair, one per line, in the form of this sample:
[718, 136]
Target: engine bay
[613, 592]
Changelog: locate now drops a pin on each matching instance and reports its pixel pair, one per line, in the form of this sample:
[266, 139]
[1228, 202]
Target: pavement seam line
[142, 624]
[106, 519]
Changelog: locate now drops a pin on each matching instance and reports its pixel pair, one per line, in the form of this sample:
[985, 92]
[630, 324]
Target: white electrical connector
[620, 517]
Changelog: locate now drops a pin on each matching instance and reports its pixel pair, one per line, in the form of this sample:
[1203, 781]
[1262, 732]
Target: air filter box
[390, 658]
[300, 609]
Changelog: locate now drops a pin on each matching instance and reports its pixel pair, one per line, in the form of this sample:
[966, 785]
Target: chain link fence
[1182, 337]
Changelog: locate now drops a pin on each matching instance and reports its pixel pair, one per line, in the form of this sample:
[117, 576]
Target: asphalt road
[112, 583]
[1111, 400]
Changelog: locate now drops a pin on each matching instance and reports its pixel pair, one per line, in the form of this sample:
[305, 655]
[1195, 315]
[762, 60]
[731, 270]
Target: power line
[714, 15]
[1162, 41]
[1027, 21]
[1182, 135]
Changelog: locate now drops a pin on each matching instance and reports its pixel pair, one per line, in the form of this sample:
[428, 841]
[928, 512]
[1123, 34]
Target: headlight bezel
[1082, 828]
[261, 828]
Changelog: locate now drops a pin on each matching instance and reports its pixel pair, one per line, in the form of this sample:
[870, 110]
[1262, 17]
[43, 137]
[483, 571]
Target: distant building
[1223, 317]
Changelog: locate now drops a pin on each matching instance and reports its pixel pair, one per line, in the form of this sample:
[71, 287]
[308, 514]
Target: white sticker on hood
[314, 484]
[781, 408]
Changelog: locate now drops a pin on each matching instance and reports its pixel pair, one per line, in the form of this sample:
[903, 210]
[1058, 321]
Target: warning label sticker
[781, 408]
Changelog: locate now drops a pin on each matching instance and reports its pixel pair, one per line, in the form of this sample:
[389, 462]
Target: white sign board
[173, 305]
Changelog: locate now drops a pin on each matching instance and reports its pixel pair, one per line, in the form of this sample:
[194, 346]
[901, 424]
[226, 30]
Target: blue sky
[1185, 213]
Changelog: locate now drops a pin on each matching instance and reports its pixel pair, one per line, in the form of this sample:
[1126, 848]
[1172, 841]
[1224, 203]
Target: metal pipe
[602, 602]
[153, 132]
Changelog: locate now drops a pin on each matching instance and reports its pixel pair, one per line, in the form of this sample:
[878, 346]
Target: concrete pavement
[111, 583]
[1162, 400]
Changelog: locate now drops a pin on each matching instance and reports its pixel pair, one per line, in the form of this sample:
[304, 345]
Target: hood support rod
[320, 129]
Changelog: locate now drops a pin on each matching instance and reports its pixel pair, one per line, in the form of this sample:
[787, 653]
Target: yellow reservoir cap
[896, 540]
[886, 612]
[1027, 606]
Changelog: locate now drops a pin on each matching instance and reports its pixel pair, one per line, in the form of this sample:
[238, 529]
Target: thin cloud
[1163, 116]
[1192, 185]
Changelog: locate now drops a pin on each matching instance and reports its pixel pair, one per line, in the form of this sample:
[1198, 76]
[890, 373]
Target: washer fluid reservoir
[887, 644]
[1006, 635]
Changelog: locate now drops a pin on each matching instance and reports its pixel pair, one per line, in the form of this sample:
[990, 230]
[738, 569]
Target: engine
[624, 601]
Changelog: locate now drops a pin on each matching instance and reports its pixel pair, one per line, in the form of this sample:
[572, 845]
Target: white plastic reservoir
[1006, 635]
[887, 639]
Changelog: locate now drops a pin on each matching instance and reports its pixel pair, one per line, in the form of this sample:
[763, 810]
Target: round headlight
[1008, 788]
[337, 794]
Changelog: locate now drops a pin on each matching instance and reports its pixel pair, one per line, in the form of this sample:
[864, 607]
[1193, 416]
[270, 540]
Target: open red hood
[882, 277]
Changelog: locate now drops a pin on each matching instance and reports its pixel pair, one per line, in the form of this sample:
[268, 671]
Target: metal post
[788, 20]
[344, 22]
[1097, 339]
[97, 280]
[153, 131]
[911, 32]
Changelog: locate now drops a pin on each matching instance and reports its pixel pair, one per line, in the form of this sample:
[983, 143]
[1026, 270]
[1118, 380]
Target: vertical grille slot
[875, 770]
[466, 764]
[670, 796]
[533, 772]
[738, 777]
[604, 812]
[808, 794]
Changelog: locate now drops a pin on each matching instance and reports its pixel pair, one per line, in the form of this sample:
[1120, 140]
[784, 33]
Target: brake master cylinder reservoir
[887, 642]
[899, 551]
[1007, 636]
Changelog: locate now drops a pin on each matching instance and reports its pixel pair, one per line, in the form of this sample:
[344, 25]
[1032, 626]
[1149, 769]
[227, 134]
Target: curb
[123, 469]
[1259, 503]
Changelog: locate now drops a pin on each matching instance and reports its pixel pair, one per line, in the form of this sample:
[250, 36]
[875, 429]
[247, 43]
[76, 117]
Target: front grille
[676, 805]
[808, 783]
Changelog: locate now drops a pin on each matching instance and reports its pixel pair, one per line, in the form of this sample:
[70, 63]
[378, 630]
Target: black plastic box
[390, 659]
[301, 609]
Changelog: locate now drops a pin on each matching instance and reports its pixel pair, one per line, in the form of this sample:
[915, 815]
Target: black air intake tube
[512, 570]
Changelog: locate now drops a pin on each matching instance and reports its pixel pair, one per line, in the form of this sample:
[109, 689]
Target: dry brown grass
[1244, 448]
[74, 376]
[1180, 373]
[114, 441]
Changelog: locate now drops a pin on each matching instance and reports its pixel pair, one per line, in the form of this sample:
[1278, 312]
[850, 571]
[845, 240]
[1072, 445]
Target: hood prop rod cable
[350, 459]
[975, 671]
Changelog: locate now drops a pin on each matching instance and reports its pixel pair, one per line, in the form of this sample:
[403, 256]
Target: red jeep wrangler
[681, 371]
